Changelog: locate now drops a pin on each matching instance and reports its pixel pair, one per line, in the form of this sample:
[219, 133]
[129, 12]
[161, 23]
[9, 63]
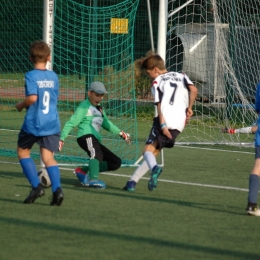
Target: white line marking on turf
[170, 181]
[211, 149]
[161, 180]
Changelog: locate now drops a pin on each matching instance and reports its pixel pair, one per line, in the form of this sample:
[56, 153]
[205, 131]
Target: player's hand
[61, 143]
[166, 132]
[19, 107]
[126, 137]
[189, 113]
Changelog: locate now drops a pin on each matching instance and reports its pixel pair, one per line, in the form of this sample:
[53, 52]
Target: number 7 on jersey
[174, 86]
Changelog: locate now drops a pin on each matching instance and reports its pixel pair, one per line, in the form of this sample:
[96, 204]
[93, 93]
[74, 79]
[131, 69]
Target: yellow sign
[119, 25]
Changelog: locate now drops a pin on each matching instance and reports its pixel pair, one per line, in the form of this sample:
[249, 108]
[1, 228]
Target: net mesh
[216, 43]
[93, 41]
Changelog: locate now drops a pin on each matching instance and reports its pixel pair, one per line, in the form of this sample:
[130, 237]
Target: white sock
[244, 130]
[140, 172]
[150, 159]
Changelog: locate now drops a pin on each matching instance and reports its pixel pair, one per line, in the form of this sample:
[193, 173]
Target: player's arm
[162, 122]
[29, 100]
[257, 99]
[74, 121]
[158, 95]
[193, 94]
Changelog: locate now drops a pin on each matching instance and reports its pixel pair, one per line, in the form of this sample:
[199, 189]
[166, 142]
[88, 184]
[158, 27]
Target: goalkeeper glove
[126, 137]
[61, 143]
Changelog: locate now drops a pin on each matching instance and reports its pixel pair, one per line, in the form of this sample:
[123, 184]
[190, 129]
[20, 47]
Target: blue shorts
[50, 142]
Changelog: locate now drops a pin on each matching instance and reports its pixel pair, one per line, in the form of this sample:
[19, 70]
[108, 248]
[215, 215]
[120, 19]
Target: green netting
[95, 43]
[93, 40]
[216, 43]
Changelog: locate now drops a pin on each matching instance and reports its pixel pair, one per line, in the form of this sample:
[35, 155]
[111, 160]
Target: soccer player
[174, 96]
[252, 208]
[90, 117]
[41, 123]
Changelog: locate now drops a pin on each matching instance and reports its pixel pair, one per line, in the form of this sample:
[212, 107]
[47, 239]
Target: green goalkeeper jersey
[89, 120]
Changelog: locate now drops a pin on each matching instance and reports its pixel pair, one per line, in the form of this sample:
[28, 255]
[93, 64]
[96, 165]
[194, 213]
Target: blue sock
[253, 188]
[81, 177]
[30, 171]
[54, 174]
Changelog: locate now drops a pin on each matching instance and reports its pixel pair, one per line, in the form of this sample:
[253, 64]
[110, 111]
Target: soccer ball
[44, 178]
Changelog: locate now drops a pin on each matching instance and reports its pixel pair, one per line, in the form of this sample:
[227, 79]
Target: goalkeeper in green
[90, 117]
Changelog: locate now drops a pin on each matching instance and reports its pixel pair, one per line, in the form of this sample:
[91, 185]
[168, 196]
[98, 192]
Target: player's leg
[252, 208]
[110, 162]
[48, 146]
[82, 171]
[159, 142]
[149, 156]
[243, 130]
[140, 171]
[91, 145]
[25, 143]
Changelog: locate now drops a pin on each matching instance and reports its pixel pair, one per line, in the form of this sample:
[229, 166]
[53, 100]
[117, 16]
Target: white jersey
[171, 90]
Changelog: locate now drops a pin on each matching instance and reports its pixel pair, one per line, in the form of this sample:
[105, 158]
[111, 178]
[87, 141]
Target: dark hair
[39, 52]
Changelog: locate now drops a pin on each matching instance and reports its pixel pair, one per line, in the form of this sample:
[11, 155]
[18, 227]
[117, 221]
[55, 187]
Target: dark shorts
[50, 142]
[257, 152]
[157, 134]
[90, 144]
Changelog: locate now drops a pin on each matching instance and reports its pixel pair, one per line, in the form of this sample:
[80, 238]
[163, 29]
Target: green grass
[197, 211]
[184, 218]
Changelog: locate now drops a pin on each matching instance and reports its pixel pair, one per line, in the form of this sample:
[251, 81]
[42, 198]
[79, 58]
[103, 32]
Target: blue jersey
[257, 108]
[42, 118]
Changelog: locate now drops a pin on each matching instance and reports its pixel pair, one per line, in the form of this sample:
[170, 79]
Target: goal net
[216, 43]
[93, 41]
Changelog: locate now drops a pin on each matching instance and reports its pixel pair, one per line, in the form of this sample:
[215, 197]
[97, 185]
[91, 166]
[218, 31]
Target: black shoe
[57, 197]
[34, 194]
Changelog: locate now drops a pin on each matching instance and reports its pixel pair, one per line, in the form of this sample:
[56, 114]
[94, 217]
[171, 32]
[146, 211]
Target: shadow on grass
[143, 197]
[127, 237]
[10, 175]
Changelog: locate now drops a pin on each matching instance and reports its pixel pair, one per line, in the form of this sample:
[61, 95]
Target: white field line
[161, 180]
[210, 149]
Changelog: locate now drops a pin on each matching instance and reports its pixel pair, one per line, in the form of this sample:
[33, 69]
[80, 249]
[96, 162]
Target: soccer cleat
[253, 210]
[57, 197]
[130, 186]
[152, 183]
[34, 194]
[97, 184]
[80, 174]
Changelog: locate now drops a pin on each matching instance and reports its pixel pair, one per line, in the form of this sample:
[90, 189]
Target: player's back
[42, 117]
[174, 99]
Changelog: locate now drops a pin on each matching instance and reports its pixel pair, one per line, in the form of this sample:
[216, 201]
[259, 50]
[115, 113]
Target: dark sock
[253, 188]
